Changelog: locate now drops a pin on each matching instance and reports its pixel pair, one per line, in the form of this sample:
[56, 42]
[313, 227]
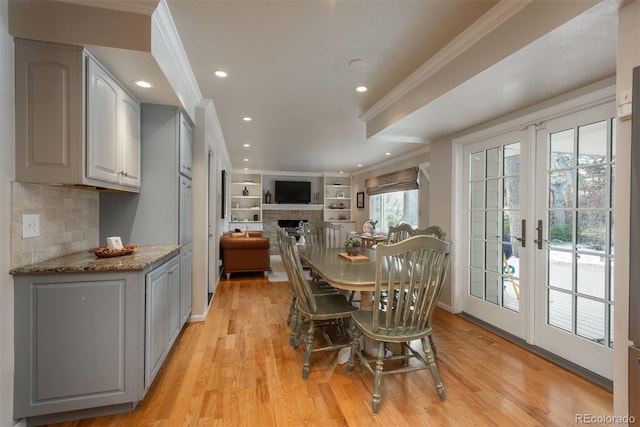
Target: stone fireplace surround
[270, 219]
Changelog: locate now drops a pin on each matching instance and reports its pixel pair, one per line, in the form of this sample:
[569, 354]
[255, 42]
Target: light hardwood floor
[238, 369]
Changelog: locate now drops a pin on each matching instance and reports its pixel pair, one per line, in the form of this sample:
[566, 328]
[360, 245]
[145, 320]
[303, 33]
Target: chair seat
[364, 321]
[330, 307]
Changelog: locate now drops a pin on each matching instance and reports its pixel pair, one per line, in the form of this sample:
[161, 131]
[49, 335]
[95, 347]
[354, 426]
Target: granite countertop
[85, 262]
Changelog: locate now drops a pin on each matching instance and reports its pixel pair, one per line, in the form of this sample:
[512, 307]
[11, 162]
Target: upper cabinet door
[185, 147]
[130, 141]
[102, 124]
[49, 102]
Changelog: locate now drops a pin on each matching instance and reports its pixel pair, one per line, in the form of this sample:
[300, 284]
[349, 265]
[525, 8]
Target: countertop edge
[85, 262]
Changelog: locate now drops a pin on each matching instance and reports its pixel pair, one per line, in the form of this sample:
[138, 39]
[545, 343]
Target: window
[393, 208]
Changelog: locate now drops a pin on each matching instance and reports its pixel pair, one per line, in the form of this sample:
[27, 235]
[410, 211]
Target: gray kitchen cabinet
[186, 253]
[162, 300]
[113, 129]
[75, 124]
[90, 343]
[161, 213]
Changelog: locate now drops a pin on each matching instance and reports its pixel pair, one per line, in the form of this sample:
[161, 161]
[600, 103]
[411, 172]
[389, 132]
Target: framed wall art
[360, 200]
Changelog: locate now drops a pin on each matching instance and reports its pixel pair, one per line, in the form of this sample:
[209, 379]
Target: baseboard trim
[563, 363]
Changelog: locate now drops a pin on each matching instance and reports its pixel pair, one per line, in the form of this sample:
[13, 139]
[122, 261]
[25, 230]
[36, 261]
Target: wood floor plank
[237, 368]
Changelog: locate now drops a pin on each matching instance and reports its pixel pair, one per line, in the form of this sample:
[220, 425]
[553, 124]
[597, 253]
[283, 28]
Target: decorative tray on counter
[105, 252]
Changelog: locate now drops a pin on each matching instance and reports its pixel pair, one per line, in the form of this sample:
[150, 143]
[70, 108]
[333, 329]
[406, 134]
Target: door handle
[539, 232]
[523, 231]
[523, 239]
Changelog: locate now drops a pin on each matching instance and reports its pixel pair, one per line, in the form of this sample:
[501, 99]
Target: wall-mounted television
[293, 192]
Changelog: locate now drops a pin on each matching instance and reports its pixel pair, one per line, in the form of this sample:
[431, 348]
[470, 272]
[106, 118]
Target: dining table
[348, 274]
[343, 272]
[370, 240]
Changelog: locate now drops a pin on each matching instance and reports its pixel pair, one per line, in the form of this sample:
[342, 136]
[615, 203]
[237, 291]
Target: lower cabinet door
[156, 322]
[76, 342]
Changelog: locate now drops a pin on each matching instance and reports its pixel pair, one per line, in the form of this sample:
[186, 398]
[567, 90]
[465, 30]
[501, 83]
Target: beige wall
[68, 222]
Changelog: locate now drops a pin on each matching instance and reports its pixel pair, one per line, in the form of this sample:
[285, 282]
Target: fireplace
[272, 216]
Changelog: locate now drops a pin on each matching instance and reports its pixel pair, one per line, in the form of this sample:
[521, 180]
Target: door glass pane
[590, 319]
[561, 229]
[493, 193]
[494, 257]
[591, 150]
[592, 187]
[493, 162]
[477, 224]
[492, 288]
[562, 151]
[561, 189]
[493, 225]
[477, 195]
[477, 165]
[560, 310]
[590, 275]
[477, 253]
[477, 283]
[561, 269]
[592, 230]
[511, 193]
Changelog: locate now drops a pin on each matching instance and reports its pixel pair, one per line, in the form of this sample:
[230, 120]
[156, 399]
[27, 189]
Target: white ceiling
[288, 65]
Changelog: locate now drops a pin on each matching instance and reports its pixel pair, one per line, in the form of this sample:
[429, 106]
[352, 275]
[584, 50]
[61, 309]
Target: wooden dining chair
[317, 287]
[322, 311]
[433, 230]
[323, 234]
[417, 266]
[399, 232]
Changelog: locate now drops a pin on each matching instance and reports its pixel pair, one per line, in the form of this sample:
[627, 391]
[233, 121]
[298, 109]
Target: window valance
[406, 179]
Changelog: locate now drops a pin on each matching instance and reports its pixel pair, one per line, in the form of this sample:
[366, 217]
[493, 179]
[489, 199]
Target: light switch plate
[30, 225]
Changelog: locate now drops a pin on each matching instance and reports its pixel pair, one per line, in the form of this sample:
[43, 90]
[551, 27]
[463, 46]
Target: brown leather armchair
[245, 254]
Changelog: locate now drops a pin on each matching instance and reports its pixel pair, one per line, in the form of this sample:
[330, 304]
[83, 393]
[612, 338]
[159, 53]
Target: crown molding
[488, 22]
[169, 52]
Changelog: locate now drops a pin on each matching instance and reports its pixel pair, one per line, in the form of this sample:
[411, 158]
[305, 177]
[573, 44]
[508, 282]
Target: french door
[574, 226]
[539, 229]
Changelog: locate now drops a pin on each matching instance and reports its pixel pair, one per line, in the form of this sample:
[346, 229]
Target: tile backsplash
[68, 221]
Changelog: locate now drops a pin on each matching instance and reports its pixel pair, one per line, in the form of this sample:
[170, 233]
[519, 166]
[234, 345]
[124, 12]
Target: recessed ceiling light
[359, 165]
[361, 89]
[220, 73]
[341, 171]
[247, 119]
[143, 84]
[246, 160]
[246, 145]
[387, 154]
[246, 169]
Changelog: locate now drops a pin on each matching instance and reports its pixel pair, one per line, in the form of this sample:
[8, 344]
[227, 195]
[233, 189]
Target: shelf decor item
[267, 197]
[245, 192]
